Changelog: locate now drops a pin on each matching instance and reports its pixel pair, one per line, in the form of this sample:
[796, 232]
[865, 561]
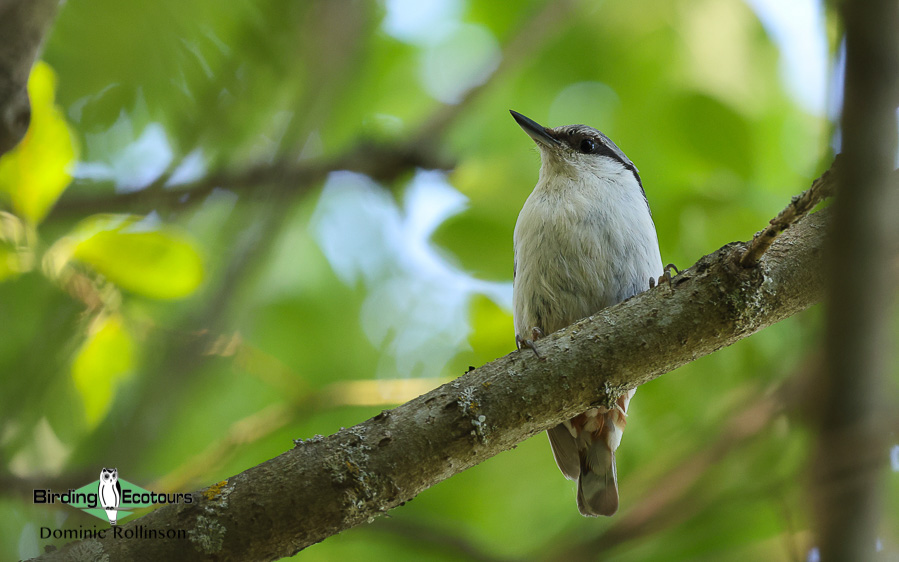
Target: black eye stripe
[605, 150]
[603, 146]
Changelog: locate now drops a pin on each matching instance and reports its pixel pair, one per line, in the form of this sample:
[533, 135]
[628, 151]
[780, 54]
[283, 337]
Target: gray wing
[565, 451]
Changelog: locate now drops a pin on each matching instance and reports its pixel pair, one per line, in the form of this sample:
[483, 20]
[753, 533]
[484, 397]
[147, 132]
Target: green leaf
[163, 263]
[37, 171]
[103, 362]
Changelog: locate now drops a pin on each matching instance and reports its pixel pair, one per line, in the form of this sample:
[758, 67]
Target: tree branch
[23, 25]
[326, 485]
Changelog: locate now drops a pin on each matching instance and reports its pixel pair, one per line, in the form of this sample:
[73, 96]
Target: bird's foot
[665, 277]
[536, 334]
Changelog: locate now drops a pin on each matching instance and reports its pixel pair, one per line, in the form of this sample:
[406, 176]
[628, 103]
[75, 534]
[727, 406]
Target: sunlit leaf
[37, 171]
[103, 362]
[161, 263]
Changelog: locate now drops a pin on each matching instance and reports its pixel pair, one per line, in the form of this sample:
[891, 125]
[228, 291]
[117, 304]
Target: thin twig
[383, 163]
[799, 206]
[530, 37]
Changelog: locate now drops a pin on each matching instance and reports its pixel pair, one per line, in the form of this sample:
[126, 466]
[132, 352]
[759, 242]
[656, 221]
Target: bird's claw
[536, 334]
[665, 277]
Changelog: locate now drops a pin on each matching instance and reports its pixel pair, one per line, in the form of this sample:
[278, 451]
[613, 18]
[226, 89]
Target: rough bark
[327, 484]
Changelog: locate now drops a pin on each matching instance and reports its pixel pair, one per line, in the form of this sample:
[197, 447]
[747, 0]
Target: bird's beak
[540, 134]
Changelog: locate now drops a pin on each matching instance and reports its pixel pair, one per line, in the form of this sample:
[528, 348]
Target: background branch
[326, 485]
[289, 179]
[853, 433]
[23, 25]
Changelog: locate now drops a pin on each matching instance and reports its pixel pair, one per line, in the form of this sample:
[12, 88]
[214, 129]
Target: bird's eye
[587, 146]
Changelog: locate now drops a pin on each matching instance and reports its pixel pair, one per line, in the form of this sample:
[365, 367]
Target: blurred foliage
[192, 338]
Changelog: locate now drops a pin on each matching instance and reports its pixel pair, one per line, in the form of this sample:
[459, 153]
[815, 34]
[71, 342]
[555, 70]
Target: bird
[584, 240]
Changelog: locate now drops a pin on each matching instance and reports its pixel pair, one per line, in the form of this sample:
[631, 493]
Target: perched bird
[584, 240]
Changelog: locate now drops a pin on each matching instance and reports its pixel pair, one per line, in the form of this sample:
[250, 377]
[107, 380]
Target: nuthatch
[584, 240]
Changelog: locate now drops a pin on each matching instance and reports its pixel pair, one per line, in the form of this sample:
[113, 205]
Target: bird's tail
[584, 448]
[597, 486]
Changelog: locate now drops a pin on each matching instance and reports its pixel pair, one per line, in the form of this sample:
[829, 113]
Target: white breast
[581, 244]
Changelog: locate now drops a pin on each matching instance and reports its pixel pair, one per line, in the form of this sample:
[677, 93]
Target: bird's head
[577, 151]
